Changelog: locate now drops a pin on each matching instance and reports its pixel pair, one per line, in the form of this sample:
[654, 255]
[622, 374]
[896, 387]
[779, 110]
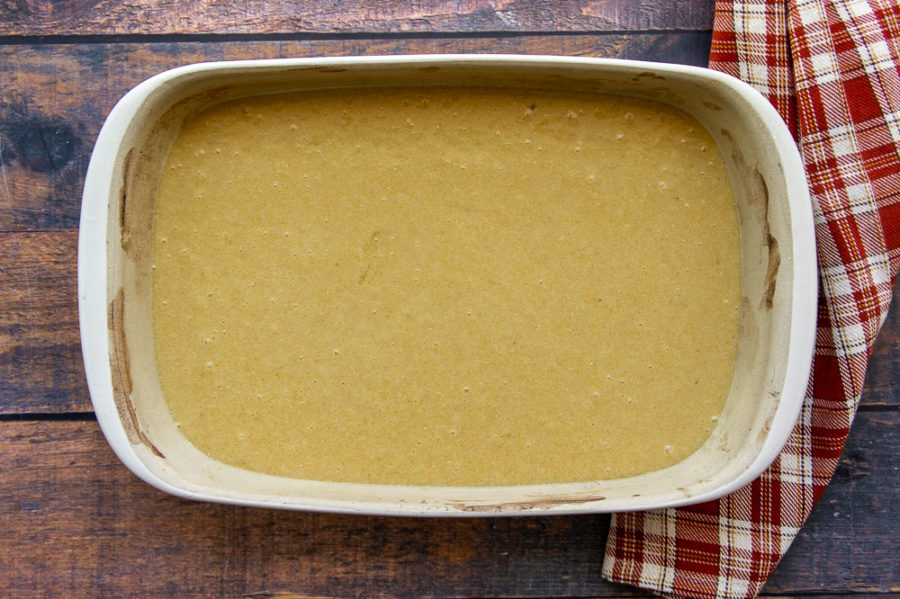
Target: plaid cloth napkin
[830, 67]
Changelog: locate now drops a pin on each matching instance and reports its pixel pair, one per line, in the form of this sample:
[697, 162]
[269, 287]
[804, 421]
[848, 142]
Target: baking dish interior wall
[762, 232]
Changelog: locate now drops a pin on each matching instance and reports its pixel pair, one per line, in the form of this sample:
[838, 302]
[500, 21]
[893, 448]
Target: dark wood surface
[80, 17]
[76, 523]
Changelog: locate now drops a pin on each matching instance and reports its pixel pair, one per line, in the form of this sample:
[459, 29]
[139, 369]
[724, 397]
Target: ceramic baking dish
[778, 282]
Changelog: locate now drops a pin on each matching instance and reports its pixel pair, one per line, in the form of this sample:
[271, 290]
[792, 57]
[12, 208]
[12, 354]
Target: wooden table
[75, 523]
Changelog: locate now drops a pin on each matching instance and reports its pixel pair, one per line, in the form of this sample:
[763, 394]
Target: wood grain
[846, 542]
[48, 123]
[84, 17]
[40, 353]
[883, 374]
[113, 535]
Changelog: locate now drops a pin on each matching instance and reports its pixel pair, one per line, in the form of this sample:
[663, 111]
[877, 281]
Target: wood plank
[115, 536]
[40, 353]
[112, 535]
[850, 541]
[882, 385]
[50, 17]
[48, 123]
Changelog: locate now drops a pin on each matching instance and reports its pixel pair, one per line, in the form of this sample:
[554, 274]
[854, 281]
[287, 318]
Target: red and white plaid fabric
[830, 67]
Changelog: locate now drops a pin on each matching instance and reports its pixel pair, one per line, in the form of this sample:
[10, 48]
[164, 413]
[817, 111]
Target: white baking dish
[778, 282]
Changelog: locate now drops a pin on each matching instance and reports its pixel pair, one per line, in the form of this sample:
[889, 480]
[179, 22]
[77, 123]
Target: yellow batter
[445, 286]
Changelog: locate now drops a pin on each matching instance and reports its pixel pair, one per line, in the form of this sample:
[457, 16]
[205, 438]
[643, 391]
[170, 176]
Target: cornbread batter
[445, 286]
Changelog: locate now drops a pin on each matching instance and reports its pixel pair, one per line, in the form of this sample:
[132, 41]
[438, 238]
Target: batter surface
[445, 286]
